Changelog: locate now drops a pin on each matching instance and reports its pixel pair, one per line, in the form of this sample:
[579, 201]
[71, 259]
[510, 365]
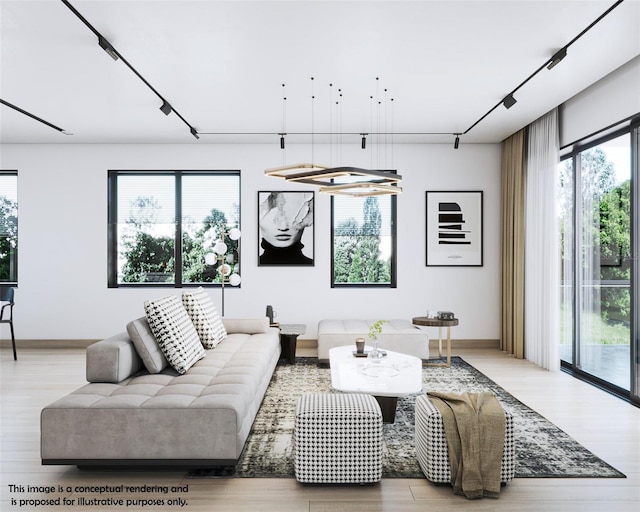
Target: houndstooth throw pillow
[204, 316]
[175, 332]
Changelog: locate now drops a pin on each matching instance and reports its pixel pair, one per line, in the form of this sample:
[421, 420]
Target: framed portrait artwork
[454, 229]
[286, 228]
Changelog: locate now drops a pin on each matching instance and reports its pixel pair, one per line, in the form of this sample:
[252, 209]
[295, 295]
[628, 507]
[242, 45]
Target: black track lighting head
[363, 143]
[194, 133]
[281, 140]
[557, 57]
[509, 101]
[165, 108]
[456, 143]
[106, 46]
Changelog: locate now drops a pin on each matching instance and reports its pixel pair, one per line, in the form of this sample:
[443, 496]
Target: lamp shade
[210, 258]
[234, 234]
[224, 270]
[220, 247]
[234, 279]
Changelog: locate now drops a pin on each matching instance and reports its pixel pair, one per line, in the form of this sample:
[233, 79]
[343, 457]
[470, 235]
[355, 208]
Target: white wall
[62, 196]
[610, 100]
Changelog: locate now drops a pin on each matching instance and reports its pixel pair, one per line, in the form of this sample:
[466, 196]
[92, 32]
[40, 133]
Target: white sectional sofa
[128, 415]
[397, 335]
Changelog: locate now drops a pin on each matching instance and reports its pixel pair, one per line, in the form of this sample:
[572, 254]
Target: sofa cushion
[248, 325]
[146, 345]
[112, 359]
[204, 316]
[175, 332]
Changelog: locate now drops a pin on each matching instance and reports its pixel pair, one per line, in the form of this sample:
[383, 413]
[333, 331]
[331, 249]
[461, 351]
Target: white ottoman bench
[397, 335]
[338, 439]
[431, 444]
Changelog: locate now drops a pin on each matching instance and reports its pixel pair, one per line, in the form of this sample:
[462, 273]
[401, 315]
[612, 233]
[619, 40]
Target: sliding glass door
[598, 312]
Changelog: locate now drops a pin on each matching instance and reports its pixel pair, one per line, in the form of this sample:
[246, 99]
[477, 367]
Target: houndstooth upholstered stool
[431, 444]
[338, 439]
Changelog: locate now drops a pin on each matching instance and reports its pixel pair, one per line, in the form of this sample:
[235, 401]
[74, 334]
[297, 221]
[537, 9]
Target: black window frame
[15, 258]
[393, 282]
[573, 151]
[112, 223]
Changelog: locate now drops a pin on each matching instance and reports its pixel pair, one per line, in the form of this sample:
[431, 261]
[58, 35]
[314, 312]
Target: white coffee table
[387, 378]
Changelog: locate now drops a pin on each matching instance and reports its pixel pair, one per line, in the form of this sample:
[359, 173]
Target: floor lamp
[220, 255]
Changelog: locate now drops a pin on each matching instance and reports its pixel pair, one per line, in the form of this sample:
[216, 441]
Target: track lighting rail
[33, 116]
[166, 107]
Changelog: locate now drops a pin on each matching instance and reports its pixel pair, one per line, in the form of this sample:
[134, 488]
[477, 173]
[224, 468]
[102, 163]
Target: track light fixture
[509, 101]
[363, 144]
[165, 108]
[456, 142]
[194, 133]
[32, 116]
[106, 46]
[557, 57]
[282, 140]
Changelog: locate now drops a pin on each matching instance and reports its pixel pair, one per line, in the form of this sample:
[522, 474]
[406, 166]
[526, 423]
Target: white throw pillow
[204, 316]
[175, 332]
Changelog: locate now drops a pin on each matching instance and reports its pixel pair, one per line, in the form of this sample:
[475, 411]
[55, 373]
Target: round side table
[288, 339]
[425, 321]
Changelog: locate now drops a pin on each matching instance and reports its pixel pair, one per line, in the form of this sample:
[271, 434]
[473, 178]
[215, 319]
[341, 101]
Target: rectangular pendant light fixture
[323, 177]
[362, 189]
[292, 170]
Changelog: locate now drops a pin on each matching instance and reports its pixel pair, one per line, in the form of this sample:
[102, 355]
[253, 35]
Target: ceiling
[418, 71]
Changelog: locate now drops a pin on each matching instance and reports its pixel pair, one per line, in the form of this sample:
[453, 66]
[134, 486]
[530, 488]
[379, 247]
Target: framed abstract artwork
[454, 230]
[286, 230]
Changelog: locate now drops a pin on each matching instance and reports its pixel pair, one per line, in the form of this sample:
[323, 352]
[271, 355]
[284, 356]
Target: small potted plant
[375, 329]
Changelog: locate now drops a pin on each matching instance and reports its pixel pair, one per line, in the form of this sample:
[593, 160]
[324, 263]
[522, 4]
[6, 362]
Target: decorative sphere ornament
[210, 258]
[220, 248]
[234, 234]
[234, 279]
[225, 269]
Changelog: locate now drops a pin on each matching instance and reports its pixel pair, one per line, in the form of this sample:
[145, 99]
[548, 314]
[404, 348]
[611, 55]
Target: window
[596, 215]
[363, 232]
[9, 227]
[162, 224]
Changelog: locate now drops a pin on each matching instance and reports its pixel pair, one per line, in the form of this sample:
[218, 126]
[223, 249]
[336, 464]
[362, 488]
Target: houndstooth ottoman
[431, 444]
[338, 439]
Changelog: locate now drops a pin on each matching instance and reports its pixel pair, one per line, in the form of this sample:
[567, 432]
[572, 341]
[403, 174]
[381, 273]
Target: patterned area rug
[542, 449]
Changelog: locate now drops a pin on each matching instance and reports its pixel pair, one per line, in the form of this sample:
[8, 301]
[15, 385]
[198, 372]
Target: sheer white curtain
[542, 252]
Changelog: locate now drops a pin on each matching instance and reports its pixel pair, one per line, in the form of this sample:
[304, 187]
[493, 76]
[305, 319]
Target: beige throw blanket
[474, 427]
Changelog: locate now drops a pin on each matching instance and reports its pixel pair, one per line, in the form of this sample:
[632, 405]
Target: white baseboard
[302, 343]
[40, 344]
[433, 343]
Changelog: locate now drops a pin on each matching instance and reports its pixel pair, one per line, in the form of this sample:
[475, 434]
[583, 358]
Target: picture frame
[454, 228]
[286, 228]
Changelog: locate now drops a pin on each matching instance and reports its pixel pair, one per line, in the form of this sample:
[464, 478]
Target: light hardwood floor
[606, 425]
